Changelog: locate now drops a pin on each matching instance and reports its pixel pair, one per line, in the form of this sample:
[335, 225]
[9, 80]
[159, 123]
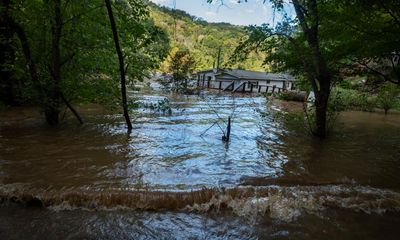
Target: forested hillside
[203, 39]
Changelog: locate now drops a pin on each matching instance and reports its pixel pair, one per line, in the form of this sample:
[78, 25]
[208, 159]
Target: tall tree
[52, 109]
[326, 39]
[66, 47]
[7, 56]
[122, 66]
[315, 66]
[181, 64]
[320, 76]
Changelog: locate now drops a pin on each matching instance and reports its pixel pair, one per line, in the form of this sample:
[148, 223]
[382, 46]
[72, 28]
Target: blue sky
[250, 13]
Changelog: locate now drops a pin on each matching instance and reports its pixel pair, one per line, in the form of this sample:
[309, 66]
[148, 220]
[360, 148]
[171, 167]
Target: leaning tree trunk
[121, 64]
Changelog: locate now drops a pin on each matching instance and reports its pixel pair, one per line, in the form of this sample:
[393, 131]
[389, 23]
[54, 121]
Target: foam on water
[278, 202]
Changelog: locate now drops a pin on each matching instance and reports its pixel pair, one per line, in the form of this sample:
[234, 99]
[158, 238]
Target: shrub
[292, 96]
[388, 96]
[162, 106]
[349, 99]
[2, 106]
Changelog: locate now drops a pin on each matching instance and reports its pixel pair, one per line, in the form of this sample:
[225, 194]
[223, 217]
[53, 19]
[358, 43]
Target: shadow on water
[267, 182]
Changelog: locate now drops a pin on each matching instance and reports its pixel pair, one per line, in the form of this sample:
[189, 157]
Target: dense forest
[204, 39]
[58, 52]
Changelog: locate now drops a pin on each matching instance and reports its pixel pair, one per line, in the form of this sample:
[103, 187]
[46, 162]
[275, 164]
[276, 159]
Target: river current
[173, 177]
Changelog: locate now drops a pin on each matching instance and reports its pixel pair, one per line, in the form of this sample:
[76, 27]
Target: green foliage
[3, 106]
[292, 96]
[388, 96]
[89, 68]
[301, 83]
[326, 40]
[280, 52]
[162, 106]
[350, 99]
[181, 64]
[304, 122]
[96, 89]
[368, 41]
[345, 84]
[295, 121]
[203, 39]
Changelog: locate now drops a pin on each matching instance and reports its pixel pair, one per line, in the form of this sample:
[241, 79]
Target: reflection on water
[163, 151]
[167, 156]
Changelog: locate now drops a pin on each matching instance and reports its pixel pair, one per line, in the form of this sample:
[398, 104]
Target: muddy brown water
[172, 179]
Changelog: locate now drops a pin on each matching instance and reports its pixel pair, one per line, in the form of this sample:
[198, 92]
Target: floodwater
[174, 178]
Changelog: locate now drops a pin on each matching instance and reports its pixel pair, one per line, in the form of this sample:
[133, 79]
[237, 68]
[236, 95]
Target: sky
[254, 12]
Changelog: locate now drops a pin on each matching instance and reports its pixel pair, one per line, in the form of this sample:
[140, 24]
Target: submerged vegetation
[162, 106]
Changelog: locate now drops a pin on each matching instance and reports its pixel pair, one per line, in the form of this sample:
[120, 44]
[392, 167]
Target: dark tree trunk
[27, 53]
[321, 80]
[53, 101]
[321, 104]
[7, 53]
[121, 64]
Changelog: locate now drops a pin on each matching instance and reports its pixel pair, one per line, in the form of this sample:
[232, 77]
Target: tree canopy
[327, 40]
[70, 44]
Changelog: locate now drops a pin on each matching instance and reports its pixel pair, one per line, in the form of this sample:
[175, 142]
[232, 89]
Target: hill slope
[203, 39]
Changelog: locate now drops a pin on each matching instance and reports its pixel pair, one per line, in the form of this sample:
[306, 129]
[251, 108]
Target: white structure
[236, 80]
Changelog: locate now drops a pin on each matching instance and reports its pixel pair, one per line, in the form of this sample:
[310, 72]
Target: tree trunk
[321, 105]
[7, 93]
[121, 64]
[53, 101]
[321, 80]
[19, 31]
